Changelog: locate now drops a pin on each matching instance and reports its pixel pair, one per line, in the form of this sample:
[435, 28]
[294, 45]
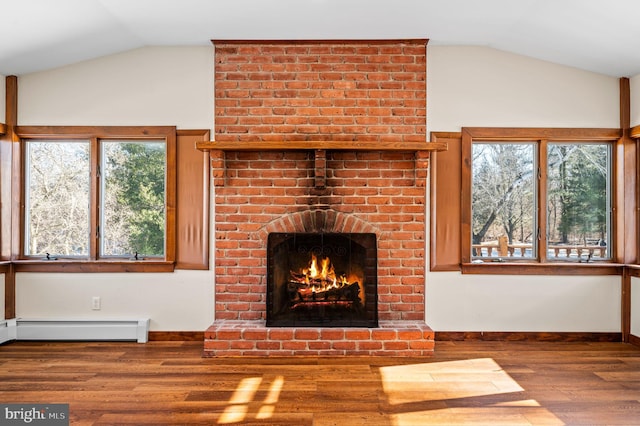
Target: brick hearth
[252, 338]
[369, 93]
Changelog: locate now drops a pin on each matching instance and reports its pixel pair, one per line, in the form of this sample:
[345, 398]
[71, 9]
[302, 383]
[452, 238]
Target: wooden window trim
[444, 203]
[441, 261]
[193, 187]
[632, 192]
[95, 264]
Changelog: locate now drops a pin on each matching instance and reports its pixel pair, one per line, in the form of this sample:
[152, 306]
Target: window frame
[94, 263]
[541, 137]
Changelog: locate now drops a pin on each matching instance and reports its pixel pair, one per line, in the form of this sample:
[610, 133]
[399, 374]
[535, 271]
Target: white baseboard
[80, 329]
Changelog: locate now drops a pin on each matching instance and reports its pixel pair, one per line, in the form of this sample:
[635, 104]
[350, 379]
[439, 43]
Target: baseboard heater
[75, 329]
[7, 330]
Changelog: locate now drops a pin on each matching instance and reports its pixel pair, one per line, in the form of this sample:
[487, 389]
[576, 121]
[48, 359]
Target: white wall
[635, 306]
[149, 86]
[477, 86]
[173, 301]
[457, 302]
[152, 86]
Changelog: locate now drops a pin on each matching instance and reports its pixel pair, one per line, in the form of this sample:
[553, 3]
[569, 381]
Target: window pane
[133, 198]
[503, 200]
[57, 198]
[578, 200]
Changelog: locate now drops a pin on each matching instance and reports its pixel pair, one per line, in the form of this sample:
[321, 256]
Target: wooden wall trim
[176, 336]
[11, 101]
[6, 191]
[452, 336]
[625, 183]
[537, 133]
[10, 292]
[508, 336]
[625, 304]
[445, 203]
[626, 178]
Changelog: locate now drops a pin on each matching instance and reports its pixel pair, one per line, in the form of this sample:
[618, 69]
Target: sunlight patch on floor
[476, 417]
[445, 380]
[459, 392]
[245, 393]
[520, 403]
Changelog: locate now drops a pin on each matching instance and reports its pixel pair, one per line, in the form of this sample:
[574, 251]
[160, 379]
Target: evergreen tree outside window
[133, 188]
[578, 200]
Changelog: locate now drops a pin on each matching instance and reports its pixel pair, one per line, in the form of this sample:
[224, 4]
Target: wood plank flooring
[489, 383]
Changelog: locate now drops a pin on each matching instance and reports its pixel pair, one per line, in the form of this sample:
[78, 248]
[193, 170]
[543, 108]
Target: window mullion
[542, 200]
[94, 211]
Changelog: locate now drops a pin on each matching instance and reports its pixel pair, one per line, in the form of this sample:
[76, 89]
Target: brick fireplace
[319, 138]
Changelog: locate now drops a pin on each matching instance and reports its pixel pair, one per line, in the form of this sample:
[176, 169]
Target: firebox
[322, 279]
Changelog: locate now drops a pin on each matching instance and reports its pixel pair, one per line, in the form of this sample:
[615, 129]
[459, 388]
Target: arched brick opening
[319, 220]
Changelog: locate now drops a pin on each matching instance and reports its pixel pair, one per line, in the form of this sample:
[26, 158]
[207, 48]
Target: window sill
[633, 270]
[63, 265]
[504, 268]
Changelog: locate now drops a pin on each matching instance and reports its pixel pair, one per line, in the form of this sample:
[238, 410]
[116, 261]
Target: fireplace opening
[322, 279]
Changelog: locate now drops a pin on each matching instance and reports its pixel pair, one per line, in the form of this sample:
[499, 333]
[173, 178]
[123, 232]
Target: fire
[325, 274]
[319, 283]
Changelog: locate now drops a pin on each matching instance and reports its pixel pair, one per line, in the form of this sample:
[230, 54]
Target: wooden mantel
[320, 145]
[320, 148]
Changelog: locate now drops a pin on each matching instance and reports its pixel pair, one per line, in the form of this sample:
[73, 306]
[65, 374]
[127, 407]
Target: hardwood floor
[492, 383]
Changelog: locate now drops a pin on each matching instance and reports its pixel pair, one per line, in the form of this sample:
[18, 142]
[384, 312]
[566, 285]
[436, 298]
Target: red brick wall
[320, 91]
[324, 91]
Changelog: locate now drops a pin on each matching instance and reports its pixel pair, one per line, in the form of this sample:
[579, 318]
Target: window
[132, 196]
[537, 195]
[104, 197]
[503, 194]
[57, 198]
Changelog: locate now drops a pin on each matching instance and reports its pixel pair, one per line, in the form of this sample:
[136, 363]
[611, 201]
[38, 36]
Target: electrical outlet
[95, 303]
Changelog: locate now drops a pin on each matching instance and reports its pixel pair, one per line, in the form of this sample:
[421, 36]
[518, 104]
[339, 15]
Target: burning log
[320, 286]
[328, 292]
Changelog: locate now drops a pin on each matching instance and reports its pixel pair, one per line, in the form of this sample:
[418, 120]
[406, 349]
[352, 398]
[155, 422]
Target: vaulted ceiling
[594, 35]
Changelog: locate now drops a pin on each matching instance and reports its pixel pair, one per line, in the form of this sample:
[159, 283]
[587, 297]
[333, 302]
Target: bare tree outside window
[57, 198]
[503, 200]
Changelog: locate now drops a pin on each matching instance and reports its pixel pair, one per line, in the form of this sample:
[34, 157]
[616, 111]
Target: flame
[325, 272]
[319, 281]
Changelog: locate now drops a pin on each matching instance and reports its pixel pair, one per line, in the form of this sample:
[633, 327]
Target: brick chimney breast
[361, 91]
[319, 91]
